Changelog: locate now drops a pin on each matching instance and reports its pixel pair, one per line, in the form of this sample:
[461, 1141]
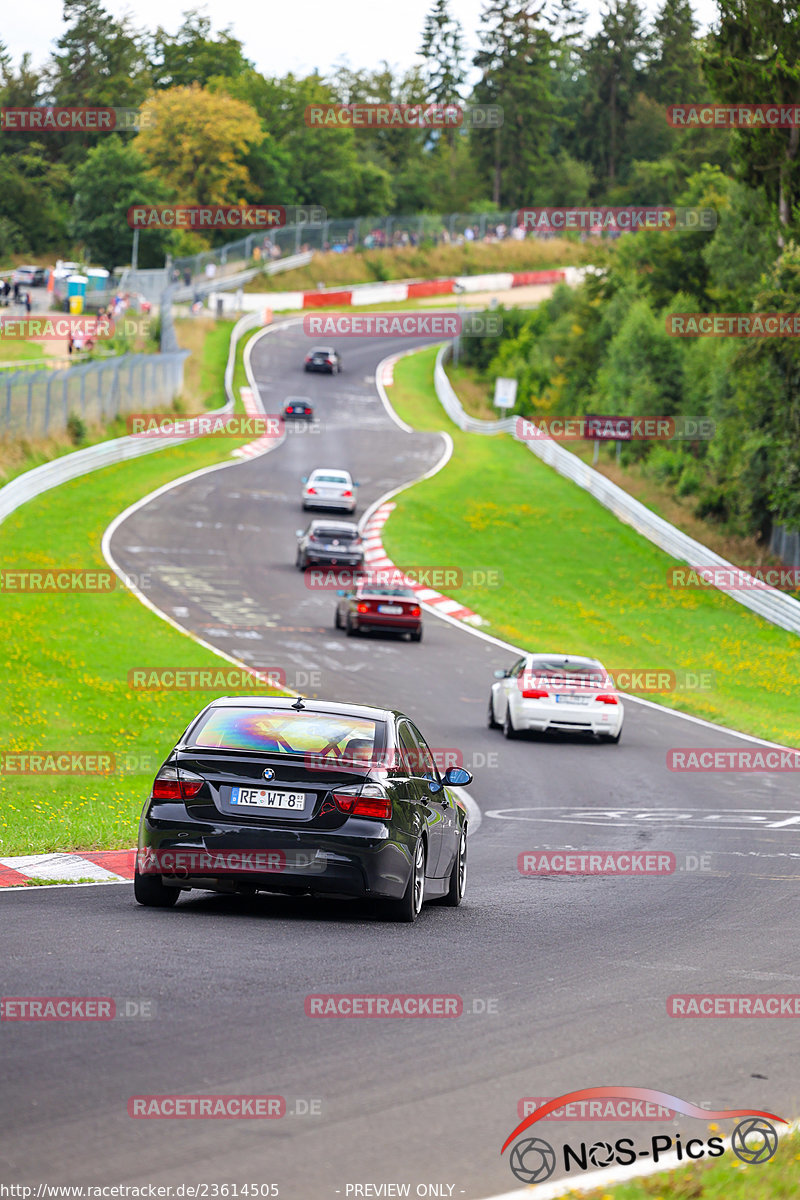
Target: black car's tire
[458, 875]
[417, 636]
[350, 629]
[300, 563]
[613, 738]
[409, 906]
[152, 892]
[337, 620]
[490, 721]
[508, 725]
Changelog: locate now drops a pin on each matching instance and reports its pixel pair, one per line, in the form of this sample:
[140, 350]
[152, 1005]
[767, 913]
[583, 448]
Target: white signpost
[505, 392]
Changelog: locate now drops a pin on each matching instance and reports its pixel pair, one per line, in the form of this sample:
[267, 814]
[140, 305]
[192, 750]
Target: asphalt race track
[564, 981]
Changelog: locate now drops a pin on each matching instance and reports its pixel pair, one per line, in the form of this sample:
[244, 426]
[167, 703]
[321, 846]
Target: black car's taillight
[172, 784]
[367, 800]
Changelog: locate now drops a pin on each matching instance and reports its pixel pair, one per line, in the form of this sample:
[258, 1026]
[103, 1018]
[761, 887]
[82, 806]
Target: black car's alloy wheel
[408, 907]
[458, 875]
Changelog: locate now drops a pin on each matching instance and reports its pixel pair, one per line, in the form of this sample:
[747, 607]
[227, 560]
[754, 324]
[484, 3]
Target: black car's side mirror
[458, 776]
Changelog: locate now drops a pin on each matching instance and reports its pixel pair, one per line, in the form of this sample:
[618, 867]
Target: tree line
[583, 120]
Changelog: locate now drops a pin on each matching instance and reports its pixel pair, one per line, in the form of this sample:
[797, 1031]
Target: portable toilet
[76, 292]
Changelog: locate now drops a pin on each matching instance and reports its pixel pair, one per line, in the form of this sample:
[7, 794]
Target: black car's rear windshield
[325, 532]
[287, 731]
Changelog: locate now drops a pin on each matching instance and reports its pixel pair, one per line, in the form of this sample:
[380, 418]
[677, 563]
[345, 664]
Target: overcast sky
[298, 36]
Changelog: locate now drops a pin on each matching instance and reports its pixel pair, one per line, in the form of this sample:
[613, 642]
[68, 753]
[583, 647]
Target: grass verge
[574, 578]
[475, 390]
[67, 660]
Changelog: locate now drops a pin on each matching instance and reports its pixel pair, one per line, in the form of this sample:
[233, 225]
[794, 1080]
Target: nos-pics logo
[532, 1159]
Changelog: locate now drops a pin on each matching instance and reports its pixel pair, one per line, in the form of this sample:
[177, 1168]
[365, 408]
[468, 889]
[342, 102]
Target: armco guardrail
[93, 458]
[774, 606]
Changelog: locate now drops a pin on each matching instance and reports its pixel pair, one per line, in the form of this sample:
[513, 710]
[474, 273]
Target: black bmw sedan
[304, 796]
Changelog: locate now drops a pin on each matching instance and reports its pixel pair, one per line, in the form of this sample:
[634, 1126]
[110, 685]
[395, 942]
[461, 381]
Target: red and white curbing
[395, 293]
[260, 445]
[376, 558]
[99, 866]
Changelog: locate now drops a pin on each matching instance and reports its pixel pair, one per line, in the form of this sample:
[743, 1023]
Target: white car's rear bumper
[538, 717]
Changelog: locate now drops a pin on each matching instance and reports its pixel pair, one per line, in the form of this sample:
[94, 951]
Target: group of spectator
[12, 293]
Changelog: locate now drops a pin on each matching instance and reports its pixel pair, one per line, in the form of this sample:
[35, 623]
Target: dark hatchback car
[369, 607]
[337, 543]
[296, 408]
[323, 358]
[310, 797]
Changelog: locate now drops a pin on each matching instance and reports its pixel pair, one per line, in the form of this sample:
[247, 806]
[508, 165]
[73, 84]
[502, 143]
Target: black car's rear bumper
[362, 858]
[344, 560]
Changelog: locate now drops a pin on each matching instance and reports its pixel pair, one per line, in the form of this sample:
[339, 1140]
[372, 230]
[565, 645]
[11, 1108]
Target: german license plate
[263, 798]
[572, 699]
[394, 609]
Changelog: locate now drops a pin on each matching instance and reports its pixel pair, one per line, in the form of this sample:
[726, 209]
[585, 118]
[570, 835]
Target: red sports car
[371, 606]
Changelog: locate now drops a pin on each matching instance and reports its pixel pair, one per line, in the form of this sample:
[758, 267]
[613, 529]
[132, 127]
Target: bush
[77, 430]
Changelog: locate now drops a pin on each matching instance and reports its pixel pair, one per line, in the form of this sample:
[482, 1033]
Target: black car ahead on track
[325, 359]
[297, 408]
[304, 797]
[335, 542]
